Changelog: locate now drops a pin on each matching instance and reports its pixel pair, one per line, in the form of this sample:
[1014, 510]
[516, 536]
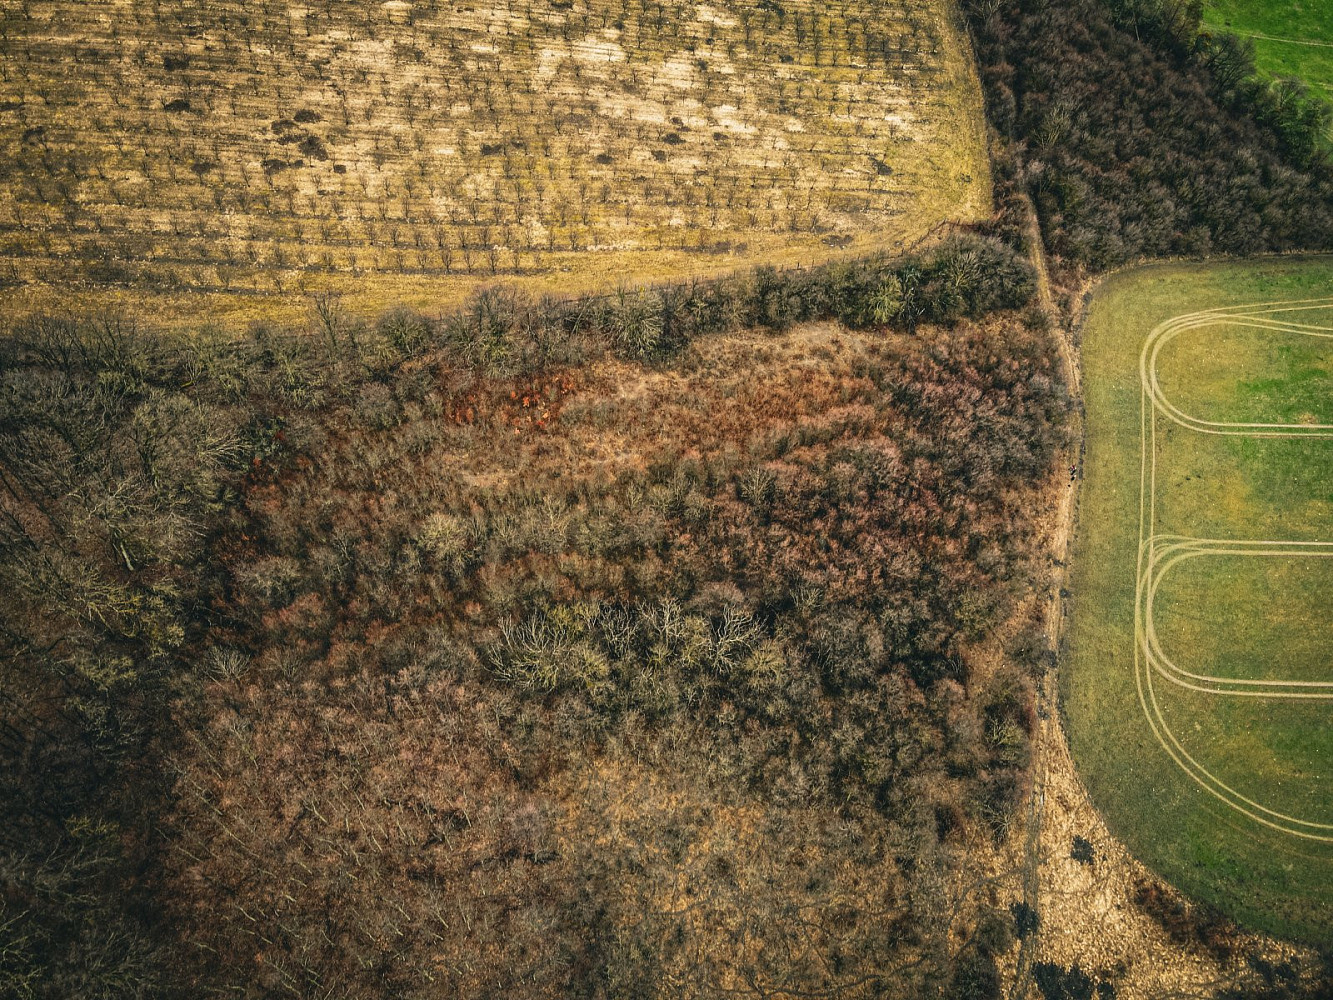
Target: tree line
[1138, 136]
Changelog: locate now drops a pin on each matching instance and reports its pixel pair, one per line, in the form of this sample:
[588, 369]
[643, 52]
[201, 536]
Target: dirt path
[1061, 536]
[1047, 740]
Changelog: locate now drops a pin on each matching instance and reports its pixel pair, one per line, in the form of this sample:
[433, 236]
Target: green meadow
[1229, 796]
[1291, 37]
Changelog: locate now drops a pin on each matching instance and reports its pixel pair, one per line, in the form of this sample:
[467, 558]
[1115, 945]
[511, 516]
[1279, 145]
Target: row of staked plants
[250, 146]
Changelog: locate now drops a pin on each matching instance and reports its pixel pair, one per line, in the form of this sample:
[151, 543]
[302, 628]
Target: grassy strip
[1266, 22]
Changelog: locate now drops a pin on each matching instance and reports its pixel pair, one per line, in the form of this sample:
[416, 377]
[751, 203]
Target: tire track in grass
[1178, 548]
[1288, 41]
[1152, 565]
[1172, 328]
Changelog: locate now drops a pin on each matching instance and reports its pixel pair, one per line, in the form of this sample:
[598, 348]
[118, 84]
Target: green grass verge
[1276, 751]
[1291, 37]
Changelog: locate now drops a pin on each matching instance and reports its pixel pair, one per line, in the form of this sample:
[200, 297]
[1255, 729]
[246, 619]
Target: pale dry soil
[223, 161]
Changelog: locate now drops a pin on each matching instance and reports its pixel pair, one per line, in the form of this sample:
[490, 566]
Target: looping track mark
[1158, 553]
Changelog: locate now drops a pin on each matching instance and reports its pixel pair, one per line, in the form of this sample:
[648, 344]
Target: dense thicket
[323, 656]
[566, 647]
[596, 683]
[110, 477]
[1136, 137]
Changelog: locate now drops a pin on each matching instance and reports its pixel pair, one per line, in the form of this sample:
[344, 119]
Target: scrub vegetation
[559, 499]
[483, 656]
[1137, 136]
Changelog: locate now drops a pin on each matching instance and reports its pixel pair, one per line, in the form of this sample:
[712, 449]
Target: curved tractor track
[1159, 553]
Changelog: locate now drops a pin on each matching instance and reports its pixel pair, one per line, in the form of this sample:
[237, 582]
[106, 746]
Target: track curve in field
[1159, 553]
[1168, 552]
[1245, 318]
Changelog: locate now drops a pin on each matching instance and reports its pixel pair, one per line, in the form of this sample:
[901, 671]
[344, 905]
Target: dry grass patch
[405, 152]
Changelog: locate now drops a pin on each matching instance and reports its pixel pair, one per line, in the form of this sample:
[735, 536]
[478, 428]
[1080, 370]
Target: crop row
[340, 137]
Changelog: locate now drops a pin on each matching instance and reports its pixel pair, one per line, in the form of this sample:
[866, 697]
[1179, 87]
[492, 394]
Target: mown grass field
[1291, 37]
[231, 159]
[1230, 617]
